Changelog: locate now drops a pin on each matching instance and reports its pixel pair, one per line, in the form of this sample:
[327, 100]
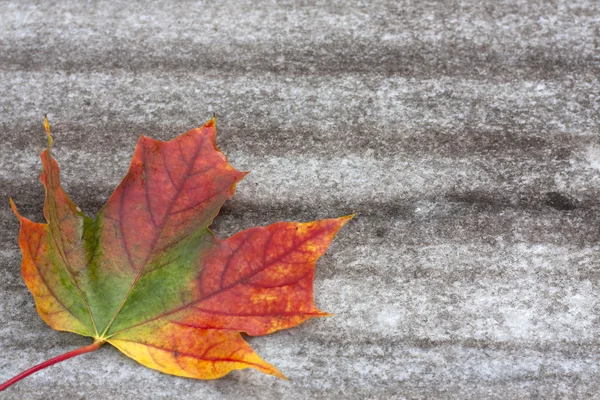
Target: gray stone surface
[464, 134]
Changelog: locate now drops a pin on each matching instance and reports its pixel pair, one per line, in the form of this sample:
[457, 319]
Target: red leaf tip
[212, 122]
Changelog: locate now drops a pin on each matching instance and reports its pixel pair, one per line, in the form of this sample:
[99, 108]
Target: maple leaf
[150, 278]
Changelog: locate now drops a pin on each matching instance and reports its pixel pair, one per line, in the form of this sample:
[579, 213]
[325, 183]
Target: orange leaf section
[261, 280]
[257, 281]
[65, 220]
[172, 188]
[187, 351]
[52, 300]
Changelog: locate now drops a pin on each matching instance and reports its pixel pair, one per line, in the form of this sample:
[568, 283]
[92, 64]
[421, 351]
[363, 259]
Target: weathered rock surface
[466, 135]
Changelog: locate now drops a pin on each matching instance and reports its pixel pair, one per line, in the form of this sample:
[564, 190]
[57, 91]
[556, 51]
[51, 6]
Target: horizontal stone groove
[466, 141]
[436, 60]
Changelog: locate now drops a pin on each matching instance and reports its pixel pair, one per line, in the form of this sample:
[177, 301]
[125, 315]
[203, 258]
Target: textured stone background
[466, 135]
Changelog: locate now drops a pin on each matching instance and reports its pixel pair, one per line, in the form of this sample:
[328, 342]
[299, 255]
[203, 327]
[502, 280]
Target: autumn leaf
[150, 278]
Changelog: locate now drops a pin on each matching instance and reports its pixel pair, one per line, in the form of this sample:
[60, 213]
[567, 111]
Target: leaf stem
[86, 349]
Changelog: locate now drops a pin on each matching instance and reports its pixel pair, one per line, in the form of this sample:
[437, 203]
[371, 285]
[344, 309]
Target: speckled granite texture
[466, 135]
